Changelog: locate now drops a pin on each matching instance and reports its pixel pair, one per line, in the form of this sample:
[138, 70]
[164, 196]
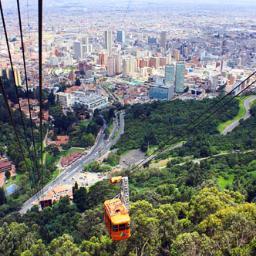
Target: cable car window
[122, 227]
[115, 227]
[128, 226]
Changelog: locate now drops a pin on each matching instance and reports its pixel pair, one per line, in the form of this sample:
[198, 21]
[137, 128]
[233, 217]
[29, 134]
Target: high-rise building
[17, 77]
[170, 73]
[154, 62]
[163, 61]
[82, 48]
[176, 54]
[77, 50]
[214, 83]
[129, 66]
[179, 78]
[111, 66]
[102, 59]
[160, 90]
[108, 41]
[163, 38]
[7, 74]
[120, 37]
[118, 64]
[85, 40]
[64, 99]
[152, 40]
[169, 58]
[86, 47]
[184, 50]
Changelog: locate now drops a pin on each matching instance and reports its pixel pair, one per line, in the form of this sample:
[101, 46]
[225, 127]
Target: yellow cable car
[116, 212]
[117, 219]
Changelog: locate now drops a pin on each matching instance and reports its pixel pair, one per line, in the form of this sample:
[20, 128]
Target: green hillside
[200, 202]
[154, 124]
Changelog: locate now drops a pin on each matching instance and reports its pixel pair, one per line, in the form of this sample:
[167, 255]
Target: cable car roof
[117, 211]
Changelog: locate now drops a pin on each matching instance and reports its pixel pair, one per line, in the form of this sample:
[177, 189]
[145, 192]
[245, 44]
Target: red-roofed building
[5, 165]
[56, 194]
[68, 160]
[72, 89]
[62, 140]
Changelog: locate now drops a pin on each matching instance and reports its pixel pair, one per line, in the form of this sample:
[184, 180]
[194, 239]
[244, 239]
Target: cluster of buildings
[34, 109]
[6, 73]
[129, 94]
[55, 195]
[82, 48]
[91, 101]
[164, 88]
[172, 56]
[188, 61]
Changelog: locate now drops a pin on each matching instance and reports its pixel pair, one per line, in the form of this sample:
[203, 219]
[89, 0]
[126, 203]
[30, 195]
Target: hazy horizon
[10, 3]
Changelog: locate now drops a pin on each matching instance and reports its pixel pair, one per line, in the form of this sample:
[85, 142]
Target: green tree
[62, 122]
[2, 196]
[65, 245]
[37, 249]
[87, 140]
[231, 227]
[7, 174]
[113, 159]
[16, 238]
[51, 99]
[53, 150]
[146, 237]
[98, 246]
[91, 224]
[209, 200]
[190, 244]
[80, 198]
[149, 140]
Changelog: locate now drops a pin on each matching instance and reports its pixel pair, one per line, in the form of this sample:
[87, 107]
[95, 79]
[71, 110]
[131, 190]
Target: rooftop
[59, 191]
[4, 163]
[117, 211]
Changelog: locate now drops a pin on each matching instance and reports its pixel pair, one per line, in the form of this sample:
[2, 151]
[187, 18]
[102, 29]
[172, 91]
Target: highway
[233, 125]
[100, 148]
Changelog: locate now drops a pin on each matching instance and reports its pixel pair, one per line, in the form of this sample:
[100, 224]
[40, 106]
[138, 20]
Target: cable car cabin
[117, 219]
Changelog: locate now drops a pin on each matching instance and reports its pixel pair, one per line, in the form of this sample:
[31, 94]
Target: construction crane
[116, 211]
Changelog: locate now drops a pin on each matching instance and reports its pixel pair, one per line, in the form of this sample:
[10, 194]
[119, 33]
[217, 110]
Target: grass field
[161, 163]
[72, 150]
[241, 113]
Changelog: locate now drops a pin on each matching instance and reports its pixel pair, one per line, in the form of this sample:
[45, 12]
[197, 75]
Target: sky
[11, 3]
[242, 2]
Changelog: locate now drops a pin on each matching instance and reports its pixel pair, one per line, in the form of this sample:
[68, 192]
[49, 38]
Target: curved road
[247, 115]
[100, 147]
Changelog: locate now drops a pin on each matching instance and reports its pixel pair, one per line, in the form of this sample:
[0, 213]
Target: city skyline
[158, 93]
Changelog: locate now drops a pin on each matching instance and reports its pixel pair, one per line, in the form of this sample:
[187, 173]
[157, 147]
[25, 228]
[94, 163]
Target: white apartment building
[90, 100]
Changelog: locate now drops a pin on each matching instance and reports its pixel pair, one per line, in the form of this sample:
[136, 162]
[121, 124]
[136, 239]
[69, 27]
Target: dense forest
[201, 201]
[154, 124]
[175, 211]
[240, 139]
